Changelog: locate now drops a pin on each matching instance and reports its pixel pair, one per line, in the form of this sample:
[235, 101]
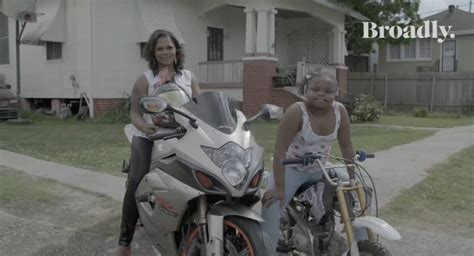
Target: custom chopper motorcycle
[332, 216]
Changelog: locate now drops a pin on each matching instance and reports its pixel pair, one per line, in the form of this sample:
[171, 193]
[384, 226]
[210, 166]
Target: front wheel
[241, 237]
[370, 248]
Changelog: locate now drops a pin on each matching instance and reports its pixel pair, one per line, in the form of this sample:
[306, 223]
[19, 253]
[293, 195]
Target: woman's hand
[149, 129]
[165, 75]
[272, 195]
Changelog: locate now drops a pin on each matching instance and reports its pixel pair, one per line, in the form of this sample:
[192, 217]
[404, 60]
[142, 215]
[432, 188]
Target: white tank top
[184, 81]
[306, 141]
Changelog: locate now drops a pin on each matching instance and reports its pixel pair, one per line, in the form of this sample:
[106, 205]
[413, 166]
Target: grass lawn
[370, 139]
[22, 192]
[442, 202]
[43, 199]
[438, 120]
[103, 147]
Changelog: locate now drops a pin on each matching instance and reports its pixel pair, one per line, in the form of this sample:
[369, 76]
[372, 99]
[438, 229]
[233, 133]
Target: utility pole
[470, 4]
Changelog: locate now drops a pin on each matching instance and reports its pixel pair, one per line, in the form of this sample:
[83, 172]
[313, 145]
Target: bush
[420, 112]
[366, 109]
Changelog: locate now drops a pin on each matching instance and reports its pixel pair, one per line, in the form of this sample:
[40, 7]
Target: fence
[436, 91]
[229, 71]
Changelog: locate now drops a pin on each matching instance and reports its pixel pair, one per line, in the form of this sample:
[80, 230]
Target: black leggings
[139, 166]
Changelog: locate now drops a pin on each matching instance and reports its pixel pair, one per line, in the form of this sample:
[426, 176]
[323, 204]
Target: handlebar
[308, 159]
[178, 132]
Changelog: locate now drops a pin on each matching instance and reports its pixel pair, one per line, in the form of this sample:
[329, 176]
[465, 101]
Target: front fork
[345, 217]
[202, 218]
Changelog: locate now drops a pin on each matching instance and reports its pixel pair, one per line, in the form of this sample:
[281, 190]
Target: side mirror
[271, 112]
[8, 86]
[153, 104]
[267, 112]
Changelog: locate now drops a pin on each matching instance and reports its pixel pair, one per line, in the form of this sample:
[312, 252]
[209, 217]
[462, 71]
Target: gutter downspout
[92, 95]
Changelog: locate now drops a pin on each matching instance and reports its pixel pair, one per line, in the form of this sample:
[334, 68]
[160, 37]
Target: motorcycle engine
[300, 240]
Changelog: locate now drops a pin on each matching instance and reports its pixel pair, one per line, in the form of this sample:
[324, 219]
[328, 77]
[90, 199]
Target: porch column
[337, 59]
[338, 51]
[262, 31]
[259, 63]
[272, 31]
[250, 31]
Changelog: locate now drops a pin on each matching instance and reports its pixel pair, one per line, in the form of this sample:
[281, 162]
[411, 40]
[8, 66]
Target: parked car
[8, 103]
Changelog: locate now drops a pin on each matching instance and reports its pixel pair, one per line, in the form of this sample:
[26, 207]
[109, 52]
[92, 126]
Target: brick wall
[283, 98]
[258, 84]
[102, 106]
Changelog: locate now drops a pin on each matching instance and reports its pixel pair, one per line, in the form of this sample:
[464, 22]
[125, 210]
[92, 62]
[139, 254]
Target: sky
[430, 7]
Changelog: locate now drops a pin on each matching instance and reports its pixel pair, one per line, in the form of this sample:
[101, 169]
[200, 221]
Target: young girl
[306, 127]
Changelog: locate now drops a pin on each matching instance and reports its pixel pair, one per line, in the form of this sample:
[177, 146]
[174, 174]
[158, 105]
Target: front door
[449, 56]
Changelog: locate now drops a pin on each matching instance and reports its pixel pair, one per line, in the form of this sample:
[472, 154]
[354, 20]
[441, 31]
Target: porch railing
[221, 72]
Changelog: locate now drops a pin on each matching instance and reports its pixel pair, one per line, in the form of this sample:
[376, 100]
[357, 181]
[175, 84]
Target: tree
[383, 12]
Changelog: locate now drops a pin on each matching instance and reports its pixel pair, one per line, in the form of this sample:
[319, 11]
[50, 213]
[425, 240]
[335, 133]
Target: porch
[282, 40]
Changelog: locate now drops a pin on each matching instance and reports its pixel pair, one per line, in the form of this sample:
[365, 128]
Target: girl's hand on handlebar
[272, 195]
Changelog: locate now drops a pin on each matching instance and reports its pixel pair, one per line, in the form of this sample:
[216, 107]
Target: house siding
[386, 66]
[464, 56]
[465, 52]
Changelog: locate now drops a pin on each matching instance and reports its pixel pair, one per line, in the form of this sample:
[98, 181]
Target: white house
[231, 45]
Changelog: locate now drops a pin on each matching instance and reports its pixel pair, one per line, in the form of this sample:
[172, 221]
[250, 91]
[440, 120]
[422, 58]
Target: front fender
[378, 226]
[215, 223]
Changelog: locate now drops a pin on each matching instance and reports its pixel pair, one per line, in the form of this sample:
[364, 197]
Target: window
[449, 56]
[395, 52]
[215, 44]
[415, 50]
[54, 50]
[4, 46]
[142, 50]
[425, 48]
[410, 50]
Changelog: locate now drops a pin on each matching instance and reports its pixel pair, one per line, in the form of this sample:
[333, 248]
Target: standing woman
[165, 61]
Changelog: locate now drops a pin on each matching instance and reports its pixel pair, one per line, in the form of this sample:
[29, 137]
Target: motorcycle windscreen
[214, 109]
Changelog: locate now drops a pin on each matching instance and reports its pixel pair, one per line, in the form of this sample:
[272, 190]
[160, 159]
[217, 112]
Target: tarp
[50, 25]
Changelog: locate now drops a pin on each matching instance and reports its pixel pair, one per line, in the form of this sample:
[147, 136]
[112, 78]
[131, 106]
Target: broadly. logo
[429, 29]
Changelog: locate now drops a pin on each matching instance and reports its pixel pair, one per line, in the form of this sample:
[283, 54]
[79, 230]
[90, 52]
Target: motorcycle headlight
[234, 172]
[229, 151]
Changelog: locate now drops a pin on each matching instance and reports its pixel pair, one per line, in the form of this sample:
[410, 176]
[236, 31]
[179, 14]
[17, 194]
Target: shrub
[119, 115]
[366, 109]
[420, 112]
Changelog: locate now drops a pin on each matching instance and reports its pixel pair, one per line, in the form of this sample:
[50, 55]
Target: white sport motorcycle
[204, 178]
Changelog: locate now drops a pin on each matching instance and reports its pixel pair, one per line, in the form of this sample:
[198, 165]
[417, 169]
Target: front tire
[241, 234]
[371, 248]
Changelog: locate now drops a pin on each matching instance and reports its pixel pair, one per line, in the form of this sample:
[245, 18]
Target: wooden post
[385, 103]
[460, 100]
[372, 84]
[433, 83]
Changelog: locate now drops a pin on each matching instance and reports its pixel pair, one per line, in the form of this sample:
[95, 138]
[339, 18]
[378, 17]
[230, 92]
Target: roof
[459, 19]
[341, 8]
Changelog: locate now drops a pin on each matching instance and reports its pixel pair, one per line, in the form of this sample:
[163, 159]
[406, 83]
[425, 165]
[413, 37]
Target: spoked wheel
[242, 237]
[369, 248]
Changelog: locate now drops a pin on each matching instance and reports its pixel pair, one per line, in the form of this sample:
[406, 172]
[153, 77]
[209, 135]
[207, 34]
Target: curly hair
[149, 51]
